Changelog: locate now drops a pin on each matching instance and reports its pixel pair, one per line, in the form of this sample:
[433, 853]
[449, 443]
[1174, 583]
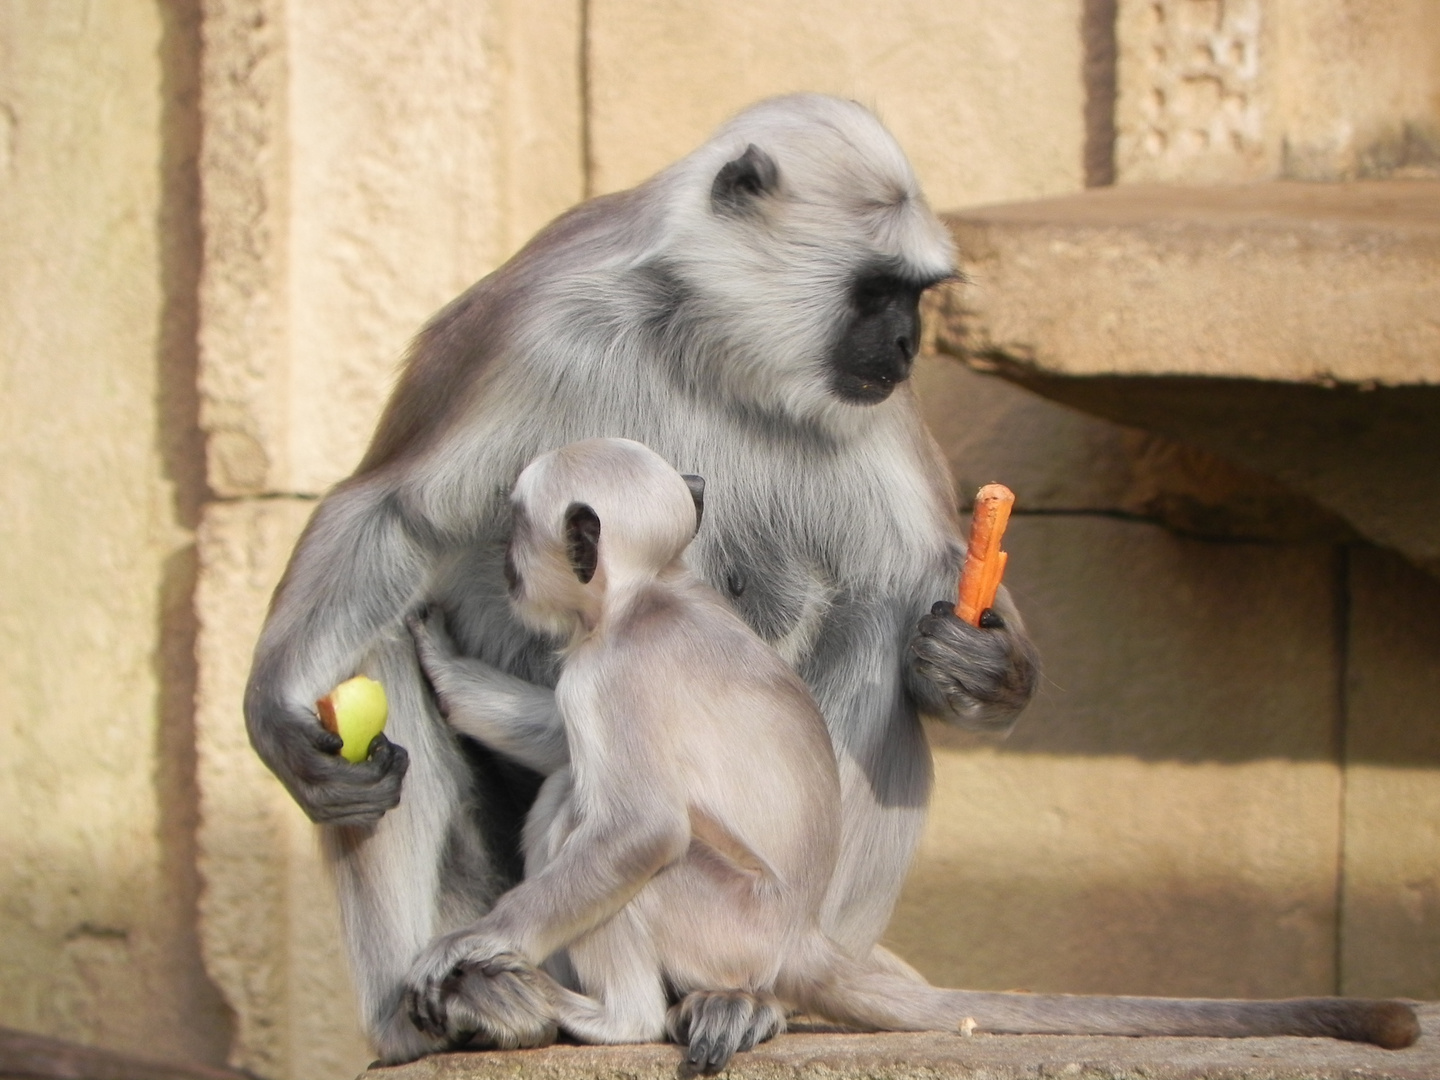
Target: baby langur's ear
[740, 183]
[582, 540]
[696, 484]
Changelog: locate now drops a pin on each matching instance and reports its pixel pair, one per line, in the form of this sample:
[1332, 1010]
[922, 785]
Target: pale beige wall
[100, 493]
[361, 163]
[1390, 934]
[1227, 90]
[1357, 87]
[986, 98]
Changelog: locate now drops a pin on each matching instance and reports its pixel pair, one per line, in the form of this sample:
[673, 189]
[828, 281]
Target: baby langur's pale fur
[687, 847]
[689, 842]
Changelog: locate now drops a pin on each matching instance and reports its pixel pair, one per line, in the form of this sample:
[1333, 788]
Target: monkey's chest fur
[782, 593]
[803, 586]
[829, 555]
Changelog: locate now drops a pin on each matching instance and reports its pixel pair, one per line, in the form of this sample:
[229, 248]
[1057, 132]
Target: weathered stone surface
[1253, 281]
[268, 919]
[1165, 817]
[824, 1056]
[1087, 299]
[1364, 454]
[344, 204]
[1249, 89]
[100, 480]
[1357, 91]
[1390, 940]
[1002, 81]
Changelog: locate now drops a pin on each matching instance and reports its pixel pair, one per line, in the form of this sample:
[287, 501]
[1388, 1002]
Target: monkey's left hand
[467, 989]
[979, 677]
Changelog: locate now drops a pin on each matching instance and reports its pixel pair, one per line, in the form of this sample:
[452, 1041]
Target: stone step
[821, 1055]
[1293, 328]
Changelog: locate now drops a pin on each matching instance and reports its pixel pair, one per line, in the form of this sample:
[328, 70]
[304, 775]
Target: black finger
[720, 1054]
[392, 758]
[327, 742]
[415, 1006]
[698, 1052]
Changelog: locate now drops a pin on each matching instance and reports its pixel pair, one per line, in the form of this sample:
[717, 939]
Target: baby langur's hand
[978, 677]
[467, 990]
[508, 714]
[434, 648]
[427, 627]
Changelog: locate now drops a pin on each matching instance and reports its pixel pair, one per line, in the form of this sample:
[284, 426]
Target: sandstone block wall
[1004, 80]
[363, 165]
[1227, 90]
[224, 219]
[101, 481]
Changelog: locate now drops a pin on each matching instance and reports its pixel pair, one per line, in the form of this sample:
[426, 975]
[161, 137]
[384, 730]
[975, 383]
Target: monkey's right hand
[331, 790]
[977, 677]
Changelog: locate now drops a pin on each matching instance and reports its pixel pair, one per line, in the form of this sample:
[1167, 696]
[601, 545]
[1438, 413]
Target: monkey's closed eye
[874, 293]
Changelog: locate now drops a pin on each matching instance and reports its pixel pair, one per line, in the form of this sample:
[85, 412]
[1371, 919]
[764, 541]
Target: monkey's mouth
[869, 387]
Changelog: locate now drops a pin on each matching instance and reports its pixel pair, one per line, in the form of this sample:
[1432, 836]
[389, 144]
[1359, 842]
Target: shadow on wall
[1169, 648]
[1295, 643]
[206, 1030]
[1159, 934]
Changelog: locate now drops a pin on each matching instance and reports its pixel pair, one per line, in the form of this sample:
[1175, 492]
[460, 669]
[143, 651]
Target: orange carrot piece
[984, 561]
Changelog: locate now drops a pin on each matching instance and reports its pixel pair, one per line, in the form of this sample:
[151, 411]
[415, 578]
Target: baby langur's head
[594, 518]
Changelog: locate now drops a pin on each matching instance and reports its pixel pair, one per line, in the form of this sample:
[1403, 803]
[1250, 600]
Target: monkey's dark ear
[582, 540]
[696, 484]
[740, 182]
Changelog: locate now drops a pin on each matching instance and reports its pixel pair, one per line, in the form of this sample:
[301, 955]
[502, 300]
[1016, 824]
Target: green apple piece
[356, 711]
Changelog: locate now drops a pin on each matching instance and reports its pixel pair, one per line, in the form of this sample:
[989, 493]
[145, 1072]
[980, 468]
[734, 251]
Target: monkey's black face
[876, 345]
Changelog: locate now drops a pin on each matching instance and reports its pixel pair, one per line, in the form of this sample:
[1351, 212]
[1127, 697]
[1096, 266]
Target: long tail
[831, 984]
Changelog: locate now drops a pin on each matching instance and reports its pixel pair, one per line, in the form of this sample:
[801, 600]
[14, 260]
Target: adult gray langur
[751, 313]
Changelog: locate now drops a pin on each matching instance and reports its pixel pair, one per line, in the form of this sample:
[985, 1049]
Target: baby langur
[683, 853]
[687, 846]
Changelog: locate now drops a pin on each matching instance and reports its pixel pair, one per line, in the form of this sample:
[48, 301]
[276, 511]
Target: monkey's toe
[716, 1025]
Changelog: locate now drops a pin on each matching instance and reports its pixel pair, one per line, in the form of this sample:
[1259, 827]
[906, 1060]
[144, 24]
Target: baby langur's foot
[497, 1001]
[714, 1025]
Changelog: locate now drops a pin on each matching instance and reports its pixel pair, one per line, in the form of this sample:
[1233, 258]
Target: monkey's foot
[714, 1025]
[495, 1001]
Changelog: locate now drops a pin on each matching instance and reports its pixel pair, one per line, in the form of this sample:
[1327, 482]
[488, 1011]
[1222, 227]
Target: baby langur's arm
[509, 715]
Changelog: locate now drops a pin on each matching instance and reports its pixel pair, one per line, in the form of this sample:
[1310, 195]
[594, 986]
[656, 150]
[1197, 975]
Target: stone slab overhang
[1293, 328]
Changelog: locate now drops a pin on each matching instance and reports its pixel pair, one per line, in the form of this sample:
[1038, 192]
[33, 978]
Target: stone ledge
[1291, 328]
[939, 1057]
[1281, 281]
